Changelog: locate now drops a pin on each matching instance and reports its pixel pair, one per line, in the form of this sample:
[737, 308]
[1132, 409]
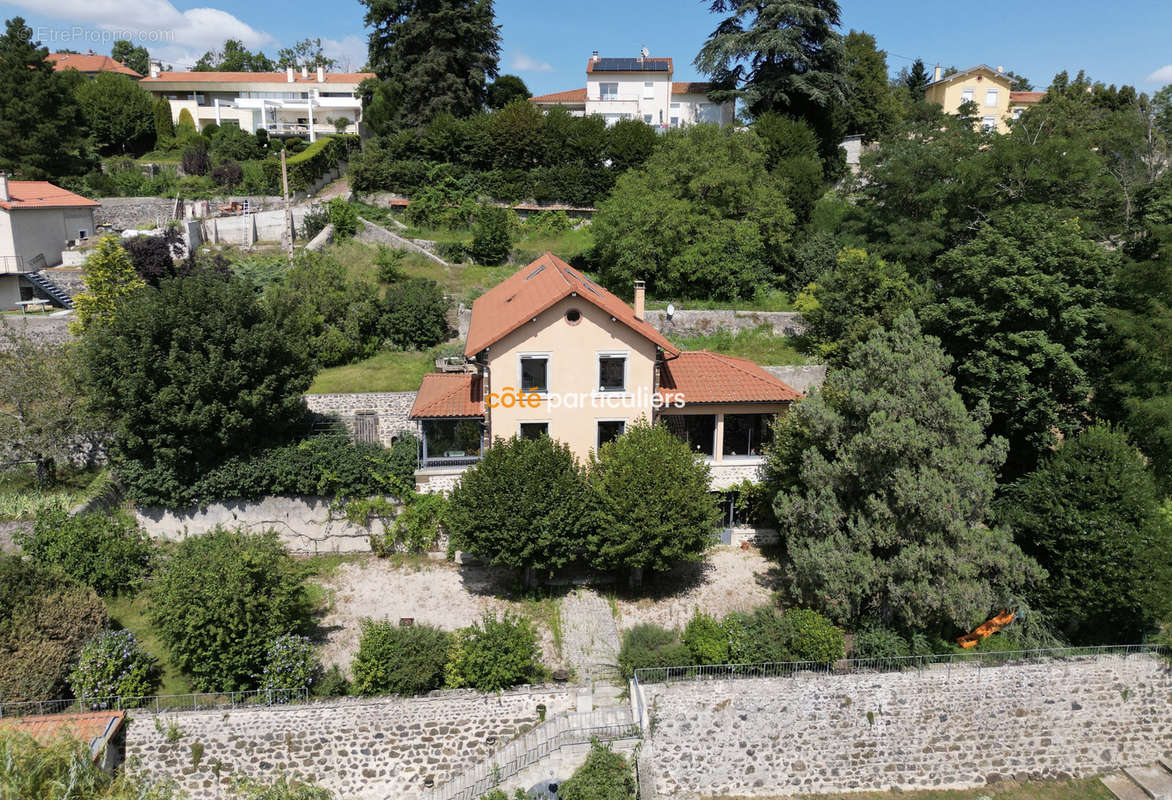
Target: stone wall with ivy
[958, 726]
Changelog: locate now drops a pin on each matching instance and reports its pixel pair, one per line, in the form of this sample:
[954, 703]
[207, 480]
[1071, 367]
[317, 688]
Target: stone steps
[1151, 782]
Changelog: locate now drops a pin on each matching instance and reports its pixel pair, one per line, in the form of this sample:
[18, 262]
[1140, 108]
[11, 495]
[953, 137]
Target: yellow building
[989, 88]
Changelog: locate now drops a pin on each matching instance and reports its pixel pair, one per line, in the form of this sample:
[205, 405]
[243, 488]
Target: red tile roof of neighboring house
[1025, 98]
[704, 377]
[536, 287]
[256, 77]
[690, 87]
[670, 68]
[447, 394]
[89, 62]
[571, 96]
[93, 728]
[42, 194]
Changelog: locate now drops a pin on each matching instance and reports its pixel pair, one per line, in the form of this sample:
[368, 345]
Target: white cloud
[178, 37]
[1162, 75]
[524, 63]
[350, 52]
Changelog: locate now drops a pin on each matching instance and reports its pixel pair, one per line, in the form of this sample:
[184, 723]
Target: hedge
[314, 161]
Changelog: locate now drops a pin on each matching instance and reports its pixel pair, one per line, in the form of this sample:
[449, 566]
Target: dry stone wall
[359, 749]
[391, 408]
[694, 322]
[957, 727]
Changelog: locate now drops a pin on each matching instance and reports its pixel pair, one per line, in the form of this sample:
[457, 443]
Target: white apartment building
[289, 102]
[639, 88]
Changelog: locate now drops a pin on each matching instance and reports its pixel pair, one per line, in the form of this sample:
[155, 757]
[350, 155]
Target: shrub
[344, 218]
[492, 235]
[416, 527]
[415, 314]
[332, 684]
[227, 174]
[45, 620]
[113, 664]
[877, 642]
[548, 223]
[400, 660]
[221, 600]
[316, 159]
[388, 264]
[107, 552]
[495, 654]
[765, 636]
[649, 645]
[404, 458]
[314, 221]
[195, 159]
[812, 637]
[452, 252]
[706, 639]
[292, 667]
[186, 125]
[606, 775]
[234, 144]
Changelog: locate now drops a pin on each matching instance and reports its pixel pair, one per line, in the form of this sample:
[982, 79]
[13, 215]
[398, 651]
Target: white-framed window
[533, 430]
[533, 372]
[967, 95]
[988, 123]
[648, 118]
[675, 122]
[612, 372]
[609, 430]
[608, 91]
[991, 98]
[648, 90]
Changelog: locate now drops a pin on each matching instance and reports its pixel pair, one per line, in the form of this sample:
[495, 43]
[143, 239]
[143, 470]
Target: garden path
[590, 636]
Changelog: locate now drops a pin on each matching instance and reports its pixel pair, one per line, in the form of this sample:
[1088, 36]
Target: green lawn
[1086, 789]
[765, 301]
[388, 371]
[130, 613]
[758, 345]
[464, 282]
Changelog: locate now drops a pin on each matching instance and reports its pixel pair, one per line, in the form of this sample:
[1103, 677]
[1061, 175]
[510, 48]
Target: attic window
[573, 316]
[535, 272]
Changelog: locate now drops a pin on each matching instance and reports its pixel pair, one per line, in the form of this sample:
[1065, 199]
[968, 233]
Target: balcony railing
[11, 264]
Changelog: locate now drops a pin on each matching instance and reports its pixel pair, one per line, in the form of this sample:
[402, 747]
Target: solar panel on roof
[628, 65]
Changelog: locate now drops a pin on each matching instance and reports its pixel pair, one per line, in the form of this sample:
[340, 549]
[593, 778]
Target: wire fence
[157, 703]
[924, 663]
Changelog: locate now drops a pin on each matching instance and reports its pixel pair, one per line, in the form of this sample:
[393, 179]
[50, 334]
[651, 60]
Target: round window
[573, 316]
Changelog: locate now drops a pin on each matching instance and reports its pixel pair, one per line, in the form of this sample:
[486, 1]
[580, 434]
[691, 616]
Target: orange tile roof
[704, 377]
[571, 96]
[93, 728]
[89, 62]
[536, 287]
[256, 77]
[1025, 98]
[690, 87]
[42, 194]
[447, 394]
[670, 66]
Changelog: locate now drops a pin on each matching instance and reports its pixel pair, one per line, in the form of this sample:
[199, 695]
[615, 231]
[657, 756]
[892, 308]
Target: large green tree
[431, 56]
[119, 113]
[190, 374]
[703, 217]
[871, 107]
[885, 481]
[654, 504]
[1019, 309]
[505, 89]
[306, 53]
[234, 57]
[42, 131]
[137, 58]
[779, 55]
[1091, 516]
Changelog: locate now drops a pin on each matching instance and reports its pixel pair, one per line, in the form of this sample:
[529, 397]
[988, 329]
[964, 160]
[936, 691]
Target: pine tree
[109, 278]
[164, 124]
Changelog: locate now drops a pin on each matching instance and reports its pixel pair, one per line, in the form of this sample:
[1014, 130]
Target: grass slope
[758, 345]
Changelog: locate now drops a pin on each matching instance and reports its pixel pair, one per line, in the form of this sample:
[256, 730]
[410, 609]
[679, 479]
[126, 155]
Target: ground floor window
[745, 434]
[697, 430]
[609, 430]
[534, 430]
[451, 439]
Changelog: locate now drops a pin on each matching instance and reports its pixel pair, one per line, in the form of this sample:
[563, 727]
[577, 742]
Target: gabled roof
[42, 194]
[705, 377]
[448, 394]
[89, 62]
[572, 96]
[92, 728]
[978, 68]
[690, 87]
[1025, 98]
[535, 288]
[633, 65]
[257, 77]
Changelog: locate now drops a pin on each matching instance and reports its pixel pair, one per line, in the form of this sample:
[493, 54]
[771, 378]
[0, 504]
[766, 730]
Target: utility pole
[288, 209]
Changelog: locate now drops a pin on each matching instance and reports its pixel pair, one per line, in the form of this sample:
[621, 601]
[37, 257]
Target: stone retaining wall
[957, 727]
[691, 323]
[391, 409]
[369, 749]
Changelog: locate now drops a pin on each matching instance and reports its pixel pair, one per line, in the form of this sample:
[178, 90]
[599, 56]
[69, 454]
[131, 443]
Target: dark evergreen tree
[137, 58]
[871, 107]
[916, 80]
[505, 89]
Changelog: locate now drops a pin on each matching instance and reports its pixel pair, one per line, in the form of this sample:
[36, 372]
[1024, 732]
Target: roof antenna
[645, 53]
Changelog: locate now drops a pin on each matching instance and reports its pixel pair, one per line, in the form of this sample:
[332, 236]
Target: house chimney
[156, 68]
[4, 187]
[640, 299]
[304, 71]
[289, 74]
[594, 56]
[321, 74]
[936, 74]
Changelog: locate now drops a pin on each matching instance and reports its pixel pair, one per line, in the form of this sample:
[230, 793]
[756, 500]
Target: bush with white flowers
[292, 667]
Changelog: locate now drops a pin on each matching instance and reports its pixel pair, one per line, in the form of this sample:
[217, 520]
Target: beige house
[290, 102]
[38, 221]
[639, 88]
[550, 352]
[990, 89]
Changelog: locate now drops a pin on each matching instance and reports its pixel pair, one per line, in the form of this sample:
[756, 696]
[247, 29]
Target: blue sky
[547, 43]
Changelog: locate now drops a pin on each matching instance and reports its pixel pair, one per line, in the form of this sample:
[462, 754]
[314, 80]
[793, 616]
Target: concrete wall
[306, 525]
[960, 727]
[369, 749]
[802, 378]
[691, 323]
[42, 232]
[392, 409]
[263, 226]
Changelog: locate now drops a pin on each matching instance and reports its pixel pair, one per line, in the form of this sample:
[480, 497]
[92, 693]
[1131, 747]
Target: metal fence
[157, 703]
[849, 666]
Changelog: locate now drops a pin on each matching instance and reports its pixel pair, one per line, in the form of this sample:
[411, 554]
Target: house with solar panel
[639, 88]
[550, 352]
